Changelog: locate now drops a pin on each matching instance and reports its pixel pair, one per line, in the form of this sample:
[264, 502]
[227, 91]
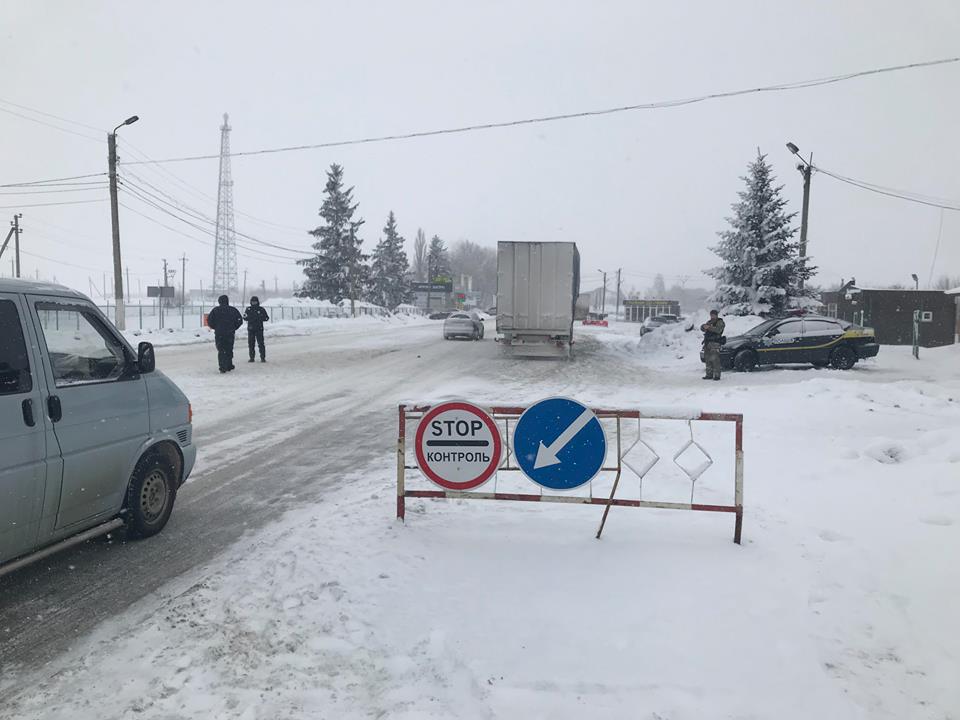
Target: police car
[820, 341]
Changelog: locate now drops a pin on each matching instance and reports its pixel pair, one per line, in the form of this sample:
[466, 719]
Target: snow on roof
[955, 291]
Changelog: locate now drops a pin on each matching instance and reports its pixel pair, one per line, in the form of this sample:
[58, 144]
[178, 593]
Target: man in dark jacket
[224, 321]
[712, 341]
[256, 316]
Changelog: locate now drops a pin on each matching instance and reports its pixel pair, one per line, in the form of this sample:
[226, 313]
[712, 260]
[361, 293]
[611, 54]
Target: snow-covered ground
[841, 602]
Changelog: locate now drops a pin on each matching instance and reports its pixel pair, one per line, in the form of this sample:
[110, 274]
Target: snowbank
[274, 328]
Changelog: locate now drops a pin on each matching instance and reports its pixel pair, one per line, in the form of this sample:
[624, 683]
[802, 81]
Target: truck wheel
[745, 361]
[843, 358]
[150, 495]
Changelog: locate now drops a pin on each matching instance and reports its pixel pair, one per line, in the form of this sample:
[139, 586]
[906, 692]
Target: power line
[61, 262]
[50, 125]
[799, 85]
[50, 204]
[196, 239]
[889, 192]
[156, 206]
[53, 180]
[97, 186]
[192, 189]
[51, 115]
[200, 216]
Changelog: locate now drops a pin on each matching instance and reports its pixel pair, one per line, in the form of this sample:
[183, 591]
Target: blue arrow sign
[559, 444]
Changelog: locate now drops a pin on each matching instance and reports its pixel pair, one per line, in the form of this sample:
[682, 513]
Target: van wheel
[843, 358]
[150, 496]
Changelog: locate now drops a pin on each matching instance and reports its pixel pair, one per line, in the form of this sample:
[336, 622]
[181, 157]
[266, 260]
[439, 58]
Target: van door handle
[54, 409]
[27, 406]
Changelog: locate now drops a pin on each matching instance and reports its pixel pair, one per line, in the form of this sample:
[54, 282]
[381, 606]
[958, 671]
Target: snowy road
[270, 436]
[283, 586]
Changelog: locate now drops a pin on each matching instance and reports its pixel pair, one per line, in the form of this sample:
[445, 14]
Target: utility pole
[15, 229]
[276, 285]
[16, 241]
[603, 302]
[161, 291]
[183, 289]
[128, 284]
[243, 300]
[120, 315]
[806, 169]
[617, 316]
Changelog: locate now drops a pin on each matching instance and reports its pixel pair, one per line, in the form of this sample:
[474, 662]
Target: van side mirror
[146, 359]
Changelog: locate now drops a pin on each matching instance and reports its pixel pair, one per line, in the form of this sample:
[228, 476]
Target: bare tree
[946, 282]
[420, 256]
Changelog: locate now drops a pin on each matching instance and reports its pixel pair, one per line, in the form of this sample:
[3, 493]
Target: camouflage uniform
[712, 332]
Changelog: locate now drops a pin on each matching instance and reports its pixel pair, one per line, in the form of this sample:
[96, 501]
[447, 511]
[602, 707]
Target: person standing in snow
[712, 340]
[255, 316]
[224, 320]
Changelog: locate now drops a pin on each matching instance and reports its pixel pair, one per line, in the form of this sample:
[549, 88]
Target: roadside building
[955, 294]
[640, 310]
[436, 295]
[890, 313]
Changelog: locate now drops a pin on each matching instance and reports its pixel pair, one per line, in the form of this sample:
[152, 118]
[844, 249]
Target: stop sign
[458, 446]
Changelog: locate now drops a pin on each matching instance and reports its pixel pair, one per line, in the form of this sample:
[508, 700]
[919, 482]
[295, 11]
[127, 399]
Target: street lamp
[806, 169]
[120, 314]
[603, 302]
[916, 281]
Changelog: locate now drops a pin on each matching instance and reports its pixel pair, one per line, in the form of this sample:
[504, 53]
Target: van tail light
[189, 413]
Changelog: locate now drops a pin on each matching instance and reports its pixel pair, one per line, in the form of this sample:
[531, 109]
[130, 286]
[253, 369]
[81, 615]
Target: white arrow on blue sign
[559, 444]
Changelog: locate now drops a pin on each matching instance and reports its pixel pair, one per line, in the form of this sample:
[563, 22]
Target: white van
[92, 437]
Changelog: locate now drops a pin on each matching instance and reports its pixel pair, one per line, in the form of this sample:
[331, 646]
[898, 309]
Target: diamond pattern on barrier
[640, 459]
[686, 459]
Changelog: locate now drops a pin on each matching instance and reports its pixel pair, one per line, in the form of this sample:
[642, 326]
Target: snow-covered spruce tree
[438, 259]
[389, 270]
[761, 268]
[337, 271]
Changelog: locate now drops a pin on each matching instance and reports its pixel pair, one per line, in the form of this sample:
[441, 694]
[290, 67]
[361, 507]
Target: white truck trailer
[537, 288]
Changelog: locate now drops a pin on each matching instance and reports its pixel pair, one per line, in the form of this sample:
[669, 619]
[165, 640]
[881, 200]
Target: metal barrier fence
[155, 317]
[504, 416]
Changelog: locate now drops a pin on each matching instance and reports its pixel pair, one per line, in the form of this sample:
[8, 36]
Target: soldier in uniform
[255, 316]
[224, 321]
[712, 340]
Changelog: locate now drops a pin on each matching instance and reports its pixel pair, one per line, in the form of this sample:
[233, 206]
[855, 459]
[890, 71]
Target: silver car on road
[463, 324]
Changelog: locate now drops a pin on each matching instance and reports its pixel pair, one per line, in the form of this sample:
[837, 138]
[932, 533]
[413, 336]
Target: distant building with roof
[890, 313]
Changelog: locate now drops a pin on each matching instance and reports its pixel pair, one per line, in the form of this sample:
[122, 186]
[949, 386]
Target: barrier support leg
[401, 461]
[616, 481]
[606, 509]
[738, 487]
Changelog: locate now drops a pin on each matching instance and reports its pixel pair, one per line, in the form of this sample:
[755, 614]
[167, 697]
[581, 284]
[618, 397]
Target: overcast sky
[645, 191]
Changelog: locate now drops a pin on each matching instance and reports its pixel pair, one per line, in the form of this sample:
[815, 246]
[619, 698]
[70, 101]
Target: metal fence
[156, 317]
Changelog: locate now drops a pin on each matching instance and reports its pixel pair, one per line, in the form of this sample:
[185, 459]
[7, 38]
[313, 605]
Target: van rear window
[15, 375]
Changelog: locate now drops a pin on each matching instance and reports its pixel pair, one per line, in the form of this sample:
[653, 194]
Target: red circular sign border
[491, 426]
